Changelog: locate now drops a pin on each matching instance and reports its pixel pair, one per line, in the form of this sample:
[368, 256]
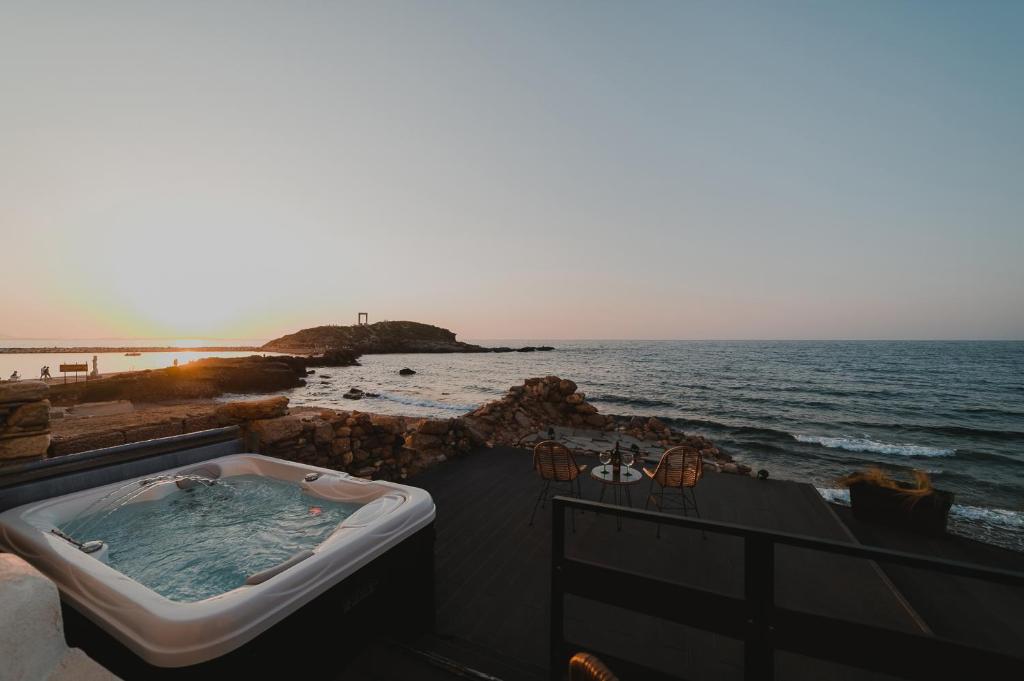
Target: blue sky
[564, 170]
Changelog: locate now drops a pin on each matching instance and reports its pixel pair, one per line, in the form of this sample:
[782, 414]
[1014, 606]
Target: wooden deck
[492, 585]
[493, 573]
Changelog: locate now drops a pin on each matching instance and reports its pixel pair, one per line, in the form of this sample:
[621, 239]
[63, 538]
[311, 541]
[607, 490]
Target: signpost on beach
[73, 368]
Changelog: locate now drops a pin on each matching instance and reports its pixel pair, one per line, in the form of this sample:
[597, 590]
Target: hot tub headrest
[264, 575]
[210, 471]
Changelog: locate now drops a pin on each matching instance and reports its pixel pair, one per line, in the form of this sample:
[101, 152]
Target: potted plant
[877, 498]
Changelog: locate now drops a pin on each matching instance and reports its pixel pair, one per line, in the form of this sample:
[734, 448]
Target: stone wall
[365, 445]
[24, 421]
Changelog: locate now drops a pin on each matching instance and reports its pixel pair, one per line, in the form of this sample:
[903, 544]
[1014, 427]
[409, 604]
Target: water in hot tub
[203, 541]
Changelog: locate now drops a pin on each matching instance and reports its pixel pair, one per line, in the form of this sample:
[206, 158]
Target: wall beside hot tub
[32, 631]
[362, 444]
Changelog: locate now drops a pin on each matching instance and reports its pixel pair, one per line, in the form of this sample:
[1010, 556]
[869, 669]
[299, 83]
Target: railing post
[759, 590]
[557, 630]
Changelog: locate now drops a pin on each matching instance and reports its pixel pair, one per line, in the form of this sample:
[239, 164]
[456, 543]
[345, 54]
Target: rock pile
[24, 421]
[534, 406]
[540, 403]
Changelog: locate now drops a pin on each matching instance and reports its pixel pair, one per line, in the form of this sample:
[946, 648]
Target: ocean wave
[1002, 518]
[959, 431]
[835, 495]
[755, 430]
[851, 444]
[632, 401]
[429, 404]
[975, 455]
[990, 411]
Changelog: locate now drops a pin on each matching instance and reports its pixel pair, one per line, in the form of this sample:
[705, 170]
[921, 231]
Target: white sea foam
[424, 402]
[852, 444]
[997, 517]
[835, 495]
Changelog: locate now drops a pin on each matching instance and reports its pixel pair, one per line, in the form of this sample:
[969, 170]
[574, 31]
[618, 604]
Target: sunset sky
[513, 170]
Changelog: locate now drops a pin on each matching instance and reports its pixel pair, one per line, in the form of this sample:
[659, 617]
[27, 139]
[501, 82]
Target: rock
[586, 408]
[566, 387]
[268, 408]
[88, 441]
[406, 372]
[271, 431]
[390, 424]
[23, 391]
[31, 415]
[434, 427]
[323, 433]
[655, 425]
[574, 399]
[31, 446]
[157, 430]
[523, 419]
[353, 394]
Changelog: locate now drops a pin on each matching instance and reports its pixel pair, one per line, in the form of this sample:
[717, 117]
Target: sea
[802, 410]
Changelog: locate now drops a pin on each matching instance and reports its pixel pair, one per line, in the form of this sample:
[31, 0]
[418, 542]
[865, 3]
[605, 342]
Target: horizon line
[564, 340]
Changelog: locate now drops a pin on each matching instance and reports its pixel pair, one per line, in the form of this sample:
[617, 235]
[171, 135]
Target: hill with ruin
[378, 338]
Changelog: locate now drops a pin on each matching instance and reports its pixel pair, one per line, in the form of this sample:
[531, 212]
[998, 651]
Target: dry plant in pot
[875, 497]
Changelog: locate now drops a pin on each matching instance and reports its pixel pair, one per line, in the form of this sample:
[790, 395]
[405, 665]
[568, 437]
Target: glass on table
[605, 457]
[628, 458]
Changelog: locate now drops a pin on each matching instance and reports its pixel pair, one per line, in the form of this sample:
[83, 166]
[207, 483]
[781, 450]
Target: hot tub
[200, 597]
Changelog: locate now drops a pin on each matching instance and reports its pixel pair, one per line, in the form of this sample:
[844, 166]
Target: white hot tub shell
[169, 633]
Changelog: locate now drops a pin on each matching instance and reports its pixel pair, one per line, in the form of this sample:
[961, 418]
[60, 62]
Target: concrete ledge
[32, 646]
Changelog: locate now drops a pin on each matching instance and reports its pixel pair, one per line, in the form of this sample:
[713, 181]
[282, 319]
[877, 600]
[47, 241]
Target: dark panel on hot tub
[38, 480]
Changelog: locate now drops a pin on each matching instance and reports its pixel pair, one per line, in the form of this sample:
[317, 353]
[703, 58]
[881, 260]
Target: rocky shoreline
[388, 447]
[200, 379]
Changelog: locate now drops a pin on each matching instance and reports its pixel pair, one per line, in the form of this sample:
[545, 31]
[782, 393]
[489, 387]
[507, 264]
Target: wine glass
[628, 458]
[605, 457]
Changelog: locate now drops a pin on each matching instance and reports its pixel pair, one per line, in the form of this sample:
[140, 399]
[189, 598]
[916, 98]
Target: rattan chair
[587, 667]
[679, 468]
[556, 466]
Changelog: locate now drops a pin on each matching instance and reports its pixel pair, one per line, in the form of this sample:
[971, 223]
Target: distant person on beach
[175, 361]
[44, 372]
[15, 376]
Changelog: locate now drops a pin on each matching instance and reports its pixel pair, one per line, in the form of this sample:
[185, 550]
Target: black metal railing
[755, 619]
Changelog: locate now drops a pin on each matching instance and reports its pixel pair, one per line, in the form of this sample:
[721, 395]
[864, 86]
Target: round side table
[626, 478]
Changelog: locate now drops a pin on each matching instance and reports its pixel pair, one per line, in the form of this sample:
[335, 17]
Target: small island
[380, 338]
